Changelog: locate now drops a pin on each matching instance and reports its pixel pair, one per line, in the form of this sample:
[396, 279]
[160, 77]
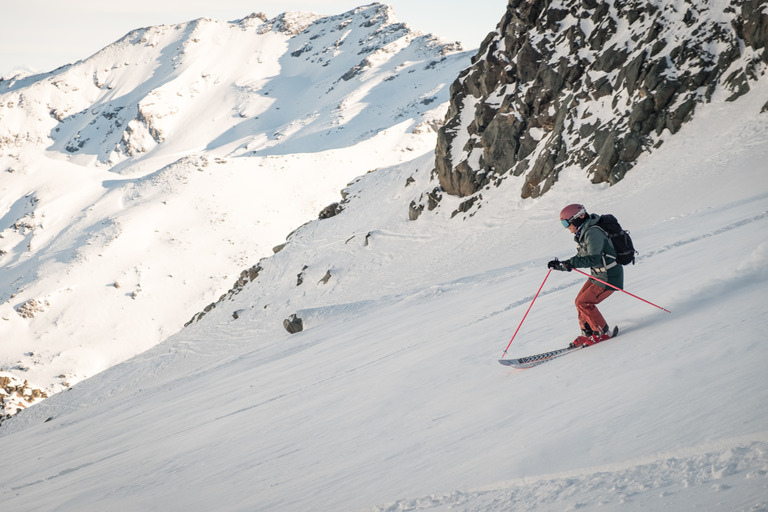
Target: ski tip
[514, 363]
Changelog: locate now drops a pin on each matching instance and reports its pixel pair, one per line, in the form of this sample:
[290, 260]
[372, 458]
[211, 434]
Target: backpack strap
[606, 265]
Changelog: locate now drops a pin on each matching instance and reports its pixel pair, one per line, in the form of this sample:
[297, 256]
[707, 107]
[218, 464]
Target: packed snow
[392, 399]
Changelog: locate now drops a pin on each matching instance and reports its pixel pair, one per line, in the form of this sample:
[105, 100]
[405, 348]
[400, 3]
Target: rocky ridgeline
[588, 84]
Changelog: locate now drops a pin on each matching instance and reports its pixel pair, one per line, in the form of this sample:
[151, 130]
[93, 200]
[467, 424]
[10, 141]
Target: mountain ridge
[137, 180]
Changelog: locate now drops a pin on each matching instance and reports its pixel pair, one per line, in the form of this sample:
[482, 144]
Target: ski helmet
[570, 214]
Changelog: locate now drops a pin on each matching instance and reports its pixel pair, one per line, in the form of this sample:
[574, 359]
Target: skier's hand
[556, 264]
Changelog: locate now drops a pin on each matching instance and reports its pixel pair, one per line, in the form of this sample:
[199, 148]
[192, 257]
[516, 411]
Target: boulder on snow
[293, 324]
[329, 211]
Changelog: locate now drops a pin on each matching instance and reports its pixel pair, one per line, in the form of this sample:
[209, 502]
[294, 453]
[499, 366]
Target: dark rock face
[590, 85]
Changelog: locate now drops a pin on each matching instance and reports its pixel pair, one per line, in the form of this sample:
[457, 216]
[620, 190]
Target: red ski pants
[589, 296]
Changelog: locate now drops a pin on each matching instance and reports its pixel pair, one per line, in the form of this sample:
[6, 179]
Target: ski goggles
[568, 222]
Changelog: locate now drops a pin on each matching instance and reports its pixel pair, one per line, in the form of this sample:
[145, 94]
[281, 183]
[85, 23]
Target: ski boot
[582, 340]
[599, 336]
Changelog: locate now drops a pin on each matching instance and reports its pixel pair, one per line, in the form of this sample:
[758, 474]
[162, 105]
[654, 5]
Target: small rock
[293, 324]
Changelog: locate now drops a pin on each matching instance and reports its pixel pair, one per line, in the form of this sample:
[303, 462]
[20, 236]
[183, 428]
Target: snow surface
[391, 399]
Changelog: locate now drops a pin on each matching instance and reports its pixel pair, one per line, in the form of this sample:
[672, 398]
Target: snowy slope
[137, 183]
[392, 399]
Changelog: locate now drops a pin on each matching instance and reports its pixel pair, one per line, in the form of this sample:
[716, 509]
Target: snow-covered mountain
[137, 183]
[390, 398]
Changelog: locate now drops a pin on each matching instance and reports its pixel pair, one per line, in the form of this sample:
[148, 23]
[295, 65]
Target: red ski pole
[625, 291]
[526, 314]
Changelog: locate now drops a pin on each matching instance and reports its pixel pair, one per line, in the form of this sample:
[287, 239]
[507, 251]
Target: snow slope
[391, 399]
[137, 183]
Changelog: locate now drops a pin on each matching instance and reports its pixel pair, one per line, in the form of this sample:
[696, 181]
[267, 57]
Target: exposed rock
[293, 324]
[17, 395]
[329, 211]
[415, 210]
[300, 276]
[326, 278]
[30, 308]
[246, 276]
[543, 95]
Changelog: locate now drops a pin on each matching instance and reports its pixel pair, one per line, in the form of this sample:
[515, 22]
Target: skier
[595, 251]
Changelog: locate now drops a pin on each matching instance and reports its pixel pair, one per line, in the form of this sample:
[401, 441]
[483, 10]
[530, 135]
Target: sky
[41, 35]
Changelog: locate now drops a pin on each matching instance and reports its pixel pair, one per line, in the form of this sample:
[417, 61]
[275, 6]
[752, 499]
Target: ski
[535, 360]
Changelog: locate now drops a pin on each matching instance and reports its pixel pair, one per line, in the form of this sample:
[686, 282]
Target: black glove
[560, 265]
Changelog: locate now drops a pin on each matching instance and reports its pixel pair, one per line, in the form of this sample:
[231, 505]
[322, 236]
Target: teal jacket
[596, 251]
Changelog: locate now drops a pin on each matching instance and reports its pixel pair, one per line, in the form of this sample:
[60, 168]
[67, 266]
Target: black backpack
[622, 242]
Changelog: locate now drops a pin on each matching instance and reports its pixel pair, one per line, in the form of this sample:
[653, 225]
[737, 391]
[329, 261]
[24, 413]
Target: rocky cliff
[588, 86]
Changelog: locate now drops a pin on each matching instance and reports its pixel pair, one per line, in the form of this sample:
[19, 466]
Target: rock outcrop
[246, 276]
[589, 86]
[16, 395]
[293, 324]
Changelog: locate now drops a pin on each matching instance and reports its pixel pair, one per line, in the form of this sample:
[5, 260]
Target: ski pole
[625, 291]
[526, 314]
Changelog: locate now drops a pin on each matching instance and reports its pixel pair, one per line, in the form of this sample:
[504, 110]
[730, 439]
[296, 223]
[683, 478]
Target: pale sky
[41, 35]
